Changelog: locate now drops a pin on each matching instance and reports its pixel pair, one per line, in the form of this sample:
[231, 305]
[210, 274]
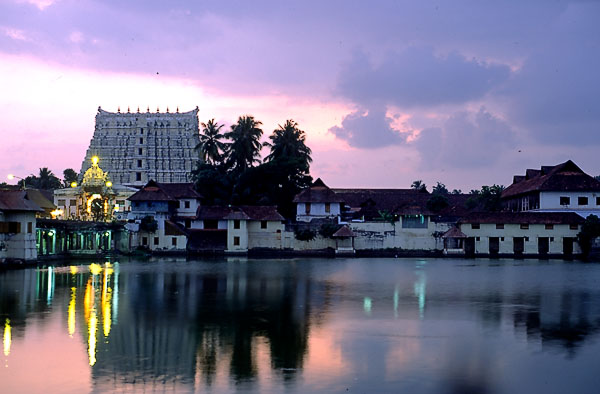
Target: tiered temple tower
[136, 147]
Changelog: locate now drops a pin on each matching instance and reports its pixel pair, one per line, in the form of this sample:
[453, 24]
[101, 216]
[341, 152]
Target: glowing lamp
[56, 213]
[73, 184]
[95, 159]
[109, 184]
[11, 176]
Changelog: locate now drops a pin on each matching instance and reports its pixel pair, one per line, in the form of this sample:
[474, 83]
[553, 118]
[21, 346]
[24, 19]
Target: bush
[305, 234]
[328, 229]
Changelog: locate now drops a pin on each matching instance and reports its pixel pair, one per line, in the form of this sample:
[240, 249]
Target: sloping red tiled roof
[154, 191]
[566, 176]
[318, 192]
[454, 232]
[262, 212]
[16, 200]
[173, 229]
[212, 212]
[523, 218]
[344, 232]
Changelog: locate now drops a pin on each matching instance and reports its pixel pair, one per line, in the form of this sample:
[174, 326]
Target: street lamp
[12, 176]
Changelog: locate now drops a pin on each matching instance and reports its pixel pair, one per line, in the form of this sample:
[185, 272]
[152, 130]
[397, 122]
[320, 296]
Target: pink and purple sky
[466, 93]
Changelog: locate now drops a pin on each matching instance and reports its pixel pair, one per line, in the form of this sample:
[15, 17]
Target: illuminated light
[116, 208]
[56, 212]
[91, 199]
[95, 159]
[367, 303]
[106, 302]
[71, 313]
[11, 176]
[74, 270]
[95, 269]
[109, 184]
[51, 233]
[92, 331]
[73, 184]
[50, 285]
[7, 340]
[88, 299]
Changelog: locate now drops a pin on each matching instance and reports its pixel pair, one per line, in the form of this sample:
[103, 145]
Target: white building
[17, 226]
[561, 188]
[317, 202]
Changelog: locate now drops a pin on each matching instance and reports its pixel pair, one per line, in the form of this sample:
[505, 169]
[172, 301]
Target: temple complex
[136, 147]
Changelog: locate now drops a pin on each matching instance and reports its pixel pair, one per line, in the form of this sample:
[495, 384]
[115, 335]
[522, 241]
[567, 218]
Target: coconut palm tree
[244, 149]
[288, 142]
[211, 147]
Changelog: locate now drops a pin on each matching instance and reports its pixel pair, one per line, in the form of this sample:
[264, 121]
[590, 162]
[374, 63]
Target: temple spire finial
[119, 109]
[178, 109]
[128, 111]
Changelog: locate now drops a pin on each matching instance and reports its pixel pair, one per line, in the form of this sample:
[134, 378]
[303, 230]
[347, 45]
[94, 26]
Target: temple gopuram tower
[135, 147]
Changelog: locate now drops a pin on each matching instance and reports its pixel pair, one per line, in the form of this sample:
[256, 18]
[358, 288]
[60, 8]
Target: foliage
[288, 142]
[437, 202]
[589, 231]
[305, 234]
[244, 149]
[386, 216]
[69, 176]
[419, 185]
[213, 182]
[440, 188]
[328, 229]
[211, 147]
[45, 180]
[148, 224]
[456, 191]
[486, 199]
[597, 177]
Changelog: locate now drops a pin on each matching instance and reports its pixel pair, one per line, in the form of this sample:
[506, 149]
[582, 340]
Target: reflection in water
[255, 325]
[7, 339]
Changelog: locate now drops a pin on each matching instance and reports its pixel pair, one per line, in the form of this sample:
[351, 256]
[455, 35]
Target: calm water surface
[303, 325]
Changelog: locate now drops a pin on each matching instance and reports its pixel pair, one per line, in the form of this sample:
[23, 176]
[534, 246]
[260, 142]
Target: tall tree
[69, 176]
[288, 142]
[419, 185]
[211, 147]
[45, 180]
[244, 149]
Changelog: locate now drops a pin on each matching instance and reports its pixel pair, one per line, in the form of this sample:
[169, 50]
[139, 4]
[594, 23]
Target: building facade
[136, 147]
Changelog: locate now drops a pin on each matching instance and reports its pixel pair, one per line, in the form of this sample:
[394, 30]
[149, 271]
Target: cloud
[555, 93]
[465, 140]
[15, 34]
[368, 129]
[417, 77]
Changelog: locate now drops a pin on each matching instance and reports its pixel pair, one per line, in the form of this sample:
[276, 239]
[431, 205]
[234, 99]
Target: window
[582, 201]
[475, 226]
[525, 204]
[141, 140]
[174, 241]
[236, 224]
[142, 130]
[263, 224]
[236, 241]
[524, 226]
[155, 240]
[549, 227]
[138, 176]
[565, 200]
[499, 226]
[597, 200]
[139, 163]
[14, 227]
[121, 202]
[211, 224]
[140, 151]
[501, 239]
[61, 203]
[72, 202]
[187, 204]
[414, 221]
[307, 208]
[29, 227]
[551, 239]
[327, 207]
[526, 239]
[573, 226]
[144, 241]
[477, 239]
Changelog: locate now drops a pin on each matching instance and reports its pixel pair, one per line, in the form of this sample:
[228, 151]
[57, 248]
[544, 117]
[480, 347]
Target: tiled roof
[173, 229]
[523, 218]
[262, 212]
[454, 232]
[212, 212]
[344, 232]
[244, 212]
[16, 200]
[566, 176]
[154, 191]
[318, 192]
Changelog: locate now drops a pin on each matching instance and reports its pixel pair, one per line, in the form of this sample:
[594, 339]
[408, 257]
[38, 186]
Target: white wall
[21, 245]
[317, 210]
[271, 237]
[242, 233]
[510, 231]
[551, 200]
[384, 235]
[191, 211]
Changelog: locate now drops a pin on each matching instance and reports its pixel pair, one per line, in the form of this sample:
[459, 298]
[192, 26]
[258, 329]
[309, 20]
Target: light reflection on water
[310, 325]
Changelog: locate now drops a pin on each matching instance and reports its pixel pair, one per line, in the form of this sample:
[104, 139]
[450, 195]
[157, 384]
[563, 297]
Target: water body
[302, 325]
